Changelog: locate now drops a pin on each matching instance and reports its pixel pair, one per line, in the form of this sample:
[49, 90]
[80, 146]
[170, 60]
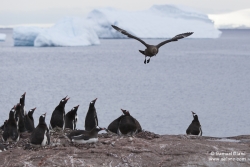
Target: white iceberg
[2, 37]
[25, 36]
[237, 19]
[67, 32]
[160, 21]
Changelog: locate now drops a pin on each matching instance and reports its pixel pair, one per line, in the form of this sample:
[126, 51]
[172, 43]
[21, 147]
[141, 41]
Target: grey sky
[48, 11]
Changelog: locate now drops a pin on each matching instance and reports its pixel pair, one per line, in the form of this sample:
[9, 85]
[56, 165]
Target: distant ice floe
[159, 21]
[238, 19]
[2, 37]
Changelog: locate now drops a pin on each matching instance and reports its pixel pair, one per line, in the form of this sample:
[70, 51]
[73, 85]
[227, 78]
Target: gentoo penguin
[40, 135]
[152, 50]
[29, 121]
[82, 136]
[58, 115]
[91, 120]
[128, 125]
[71, 118]
[20, 111]
[113, 126]
[11, 127]
[2, 147]
[195, 127]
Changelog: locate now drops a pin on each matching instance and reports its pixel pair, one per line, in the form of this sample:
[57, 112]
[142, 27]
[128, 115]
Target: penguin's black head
[92, 103]
[22, 99]
[74, 109]
[125, 112]
[195, 116]
[42, 118]
[73, 112]
[64, 101]
[31, 111]
[12, 113]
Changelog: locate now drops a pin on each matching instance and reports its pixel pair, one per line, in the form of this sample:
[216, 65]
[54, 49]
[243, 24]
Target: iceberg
[237, 19]
[25, 36]
[67, 32]
[159, 21]
[2, 37]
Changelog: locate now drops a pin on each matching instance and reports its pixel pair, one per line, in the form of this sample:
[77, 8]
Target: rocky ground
[144, 149]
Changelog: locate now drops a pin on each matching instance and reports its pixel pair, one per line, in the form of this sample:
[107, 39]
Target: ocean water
[208, 76]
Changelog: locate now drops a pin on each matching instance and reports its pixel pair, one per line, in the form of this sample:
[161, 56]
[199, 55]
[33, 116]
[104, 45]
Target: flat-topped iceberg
[160, 21]
[237, 19]
[2, 37]
[67, 32]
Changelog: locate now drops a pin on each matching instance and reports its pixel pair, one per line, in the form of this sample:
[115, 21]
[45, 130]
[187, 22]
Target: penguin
[29, 121]
[58, 115]
[20, 112]
[128, 125]
[2, 147]
[71, 118]
[82, 136]
[11, 127]
[91, 120]
[195, 127]
[40, 135]
[114, 126]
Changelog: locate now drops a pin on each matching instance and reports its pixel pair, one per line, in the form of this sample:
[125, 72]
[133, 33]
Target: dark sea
[208, 76]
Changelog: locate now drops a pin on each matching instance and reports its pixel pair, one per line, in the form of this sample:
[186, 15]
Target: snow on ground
[2, 37]
[160, 21]
[237, 19]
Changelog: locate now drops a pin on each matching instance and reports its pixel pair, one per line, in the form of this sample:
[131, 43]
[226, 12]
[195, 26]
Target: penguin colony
[19, 121]
[125, 125]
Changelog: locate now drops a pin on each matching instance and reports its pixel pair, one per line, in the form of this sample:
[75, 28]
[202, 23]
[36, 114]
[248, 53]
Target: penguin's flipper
[81, 137]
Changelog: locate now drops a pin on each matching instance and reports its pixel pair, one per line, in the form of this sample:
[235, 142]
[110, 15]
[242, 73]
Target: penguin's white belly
[82, 141]
[44, 142]
[200, 131]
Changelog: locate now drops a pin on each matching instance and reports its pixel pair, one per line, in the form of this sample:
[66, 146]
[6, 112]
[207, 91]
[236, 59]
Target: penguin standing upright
[91, 120]
[71, 118]
[11, 127]
[29, 120]
[40, 135]
[20, 111]
[58, 115]
[195, 127]
[82, 136]
[128, 125]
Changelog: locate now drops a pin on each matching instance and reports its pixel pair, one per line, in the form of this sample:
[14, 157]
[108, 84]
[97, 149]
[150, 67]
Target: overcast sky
[48, 11]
